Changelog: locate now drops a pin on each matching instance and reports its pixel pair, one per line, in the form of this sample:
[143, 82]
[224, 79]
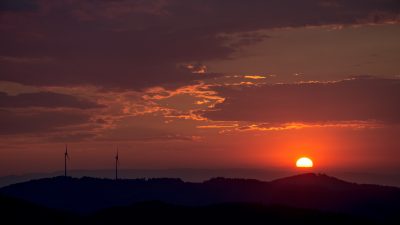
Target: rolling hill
[309, 191]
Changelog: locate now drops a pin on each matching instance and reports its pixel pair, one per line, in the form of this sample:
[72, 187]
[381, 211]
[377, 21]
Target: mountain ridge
[309, 191]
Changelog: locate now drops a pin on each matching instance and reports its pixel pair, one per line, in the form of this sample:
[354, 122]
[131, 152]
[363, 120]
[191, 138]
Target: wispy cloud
[25, 60]
[356, 99]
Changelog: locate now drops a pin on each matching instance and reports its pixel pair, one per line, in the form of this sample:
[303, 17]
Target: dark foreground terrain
[302, 199]
[18, 212]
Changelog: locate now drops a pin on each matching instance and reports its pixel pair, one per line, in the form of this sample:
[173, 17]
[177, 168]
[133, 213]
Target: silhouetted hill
[227, 213]
[198, 175]
[311, 179]
[17, 212]
[308, 191]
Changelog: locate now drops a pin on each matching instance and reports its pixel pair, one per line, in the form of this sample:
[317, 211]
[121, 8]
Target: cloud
[10, 59]
[18, 5]
[148, 128]
[45, 99]
[34, 123]
[294, 126]
[140, 44]
[356, 99]
[255, 77]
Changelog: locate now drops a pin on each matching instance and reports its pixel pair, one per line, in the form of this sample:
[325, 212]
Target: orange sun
[304, 162]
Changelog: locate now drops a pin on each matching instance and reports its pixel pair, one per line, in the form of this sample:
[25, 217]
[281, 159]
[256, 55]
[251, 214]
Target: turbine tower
[65, 160]
[116, 165]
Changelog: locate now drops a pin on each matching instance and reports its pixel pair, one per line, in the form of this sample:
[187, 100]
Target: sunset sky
[199, 84]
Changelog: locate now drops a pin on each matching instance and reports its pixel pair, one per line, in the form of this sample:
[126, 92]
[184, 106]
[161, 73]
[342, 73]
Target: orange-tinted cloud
[255, 77]
[357, 99]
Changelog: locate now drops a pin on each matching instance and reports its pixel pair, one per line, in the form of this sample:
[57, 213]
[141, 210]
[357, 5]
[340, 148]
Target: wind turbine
[116, 165]
[65, 160]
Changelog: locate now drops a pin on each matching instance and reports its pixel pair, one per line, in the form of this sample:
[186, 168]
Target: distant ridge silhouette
[312, 179]
[311, 191]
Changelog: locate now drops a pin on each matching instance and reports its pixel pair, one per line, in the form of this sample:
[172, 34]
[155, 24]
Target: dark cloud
[45, 99]
[357, 99]
[18, 5]
[138, 44]
[34, 123]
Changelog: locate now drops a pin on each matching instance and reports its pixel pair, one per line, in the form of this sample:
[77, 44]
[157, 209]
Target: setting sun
[304, 162]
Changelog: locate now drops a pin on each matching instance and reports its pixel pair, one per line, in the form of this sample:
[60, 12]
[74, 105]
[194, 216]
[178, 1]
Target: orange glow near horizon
[304, 162]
